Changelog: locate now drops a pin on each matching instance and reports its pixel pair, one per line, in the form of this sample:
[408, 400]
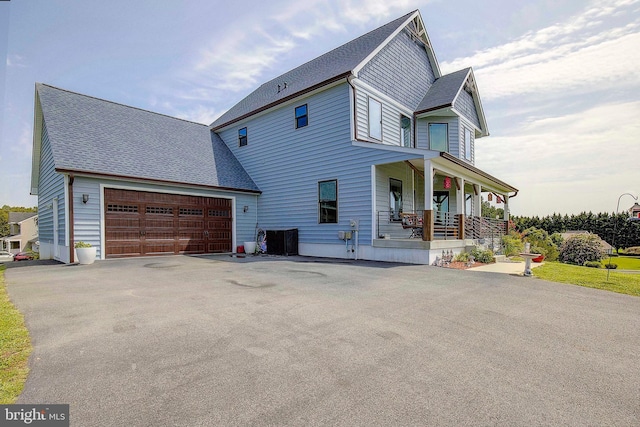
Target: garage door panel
[190, 247]
[213, 247]
[126, 249]
[147, 223]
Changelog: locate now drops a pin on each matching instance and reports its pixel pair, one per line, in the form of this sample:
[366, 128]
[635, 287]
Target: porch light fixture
[245, 209]
[85, 198]
[615, 223]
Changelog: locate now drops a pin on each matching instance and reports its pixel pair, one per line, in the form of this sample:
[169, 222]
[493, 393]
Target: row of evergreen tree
[618, 230]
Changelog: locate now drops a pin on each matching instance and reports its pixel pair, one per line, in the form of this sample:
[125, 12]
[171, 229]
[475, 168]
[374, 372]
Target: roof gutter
[283, 100]
[156, 181]
[440, 107]
[480, 172]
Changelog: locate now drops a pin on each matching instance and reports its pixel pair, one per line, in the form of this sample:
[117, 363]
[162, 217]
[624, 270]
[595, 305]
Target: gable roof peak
[335, 65]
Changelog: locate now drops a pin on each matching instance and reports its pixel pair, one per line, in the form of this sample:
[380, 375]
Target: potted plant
[86, 254]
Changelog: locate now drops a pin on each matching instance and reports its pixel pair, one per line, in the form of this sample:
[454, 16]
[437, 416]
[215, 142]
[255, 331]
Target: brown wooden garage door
[144, 223]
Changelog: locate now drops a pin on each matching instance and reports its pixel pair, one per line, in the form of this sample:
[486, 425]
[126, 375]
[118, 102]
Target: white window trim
[369, 100]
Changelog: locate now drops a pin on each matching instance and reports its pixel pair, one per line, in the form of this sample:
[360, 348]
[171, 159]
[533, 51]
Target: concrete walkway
[516, 268]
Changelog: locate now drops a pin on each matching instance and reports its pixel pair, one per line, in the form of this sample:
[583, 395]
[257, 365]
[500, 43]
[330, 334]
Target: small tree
[581, 248]
[512, 243]
[541, 243]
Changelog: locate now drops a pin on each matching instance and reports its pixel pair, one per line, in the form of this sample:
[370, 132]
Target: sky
[559, 80]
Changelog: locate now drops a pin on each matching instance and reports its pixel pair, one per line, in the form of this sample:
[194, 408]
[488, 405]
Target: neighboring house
[359, 150]
[606, 247]
[634, 211]
[23, 232]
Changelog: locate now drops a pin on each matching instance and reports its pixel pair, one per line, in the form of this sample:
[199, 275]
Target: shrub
[581, 248]
[462, 257]
[81, 244]
[540, 243]
[557, 239]
[512, 243]
[593, 264]
[483, 256]
[633, 250]
[611, 266]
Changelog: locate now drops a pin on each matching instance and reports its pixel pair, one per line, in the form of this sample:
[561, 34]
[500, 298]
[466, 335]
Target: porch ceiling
[450, 165]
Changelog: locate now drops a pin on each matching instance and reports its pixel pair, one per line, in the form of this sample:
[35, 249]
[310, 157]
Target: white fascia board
[430, 52]
[37, 145]
[359, 84]
[377, 50]
[469, 177]
[466, 122]
[484, 130]
[295, 100]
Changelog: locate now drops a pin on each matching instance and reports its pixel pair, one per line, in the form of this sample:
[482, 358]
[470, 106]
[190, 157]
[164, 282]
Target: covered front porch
[435, 204]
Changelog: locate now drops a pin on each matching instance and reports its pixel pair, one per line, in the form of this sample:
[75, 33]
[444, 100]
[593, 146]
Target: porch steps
[500, 258]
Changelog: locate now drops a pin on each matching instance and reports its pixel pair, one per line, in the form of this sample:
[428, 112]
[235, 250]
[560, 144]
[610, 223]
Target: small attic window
[302, 118]
[242, 137]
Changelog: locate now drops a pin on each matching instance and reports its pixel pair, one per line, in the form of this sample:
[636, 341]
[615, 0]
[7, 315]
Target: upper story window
[375, 119]
[242, 137]
[405, 131]
[467, 144]
[438, 137]
[328, 202]
[302, 119]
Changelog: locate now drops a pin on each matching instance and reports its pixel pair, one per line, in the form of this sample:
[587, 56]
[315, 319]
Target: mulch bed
[459, 265]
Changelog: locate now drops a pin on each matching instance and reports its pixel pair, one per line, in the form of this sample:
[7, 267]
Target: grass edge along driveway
[15, 347]
[589, 277]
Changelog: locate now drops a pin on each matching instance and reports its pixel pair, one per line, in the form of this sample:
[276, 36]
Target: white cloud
[240, 60]
[23, 142]
[199, 114]
[14, 60]
[568, 163]
[236, 63]
[587, 52]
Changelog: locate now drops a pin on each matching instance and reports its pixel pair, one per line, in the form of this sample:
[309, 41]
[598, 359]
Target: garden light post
[615, 224]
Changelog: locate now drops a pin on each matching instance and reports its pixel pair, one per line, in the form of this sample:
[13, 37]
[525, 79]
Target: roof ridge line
[336, 48]
[121, 104]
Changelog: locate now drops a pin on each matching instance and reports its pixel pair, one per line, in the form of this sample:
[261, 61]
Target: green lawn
[15, 347]
[623, 283]
[624, 262]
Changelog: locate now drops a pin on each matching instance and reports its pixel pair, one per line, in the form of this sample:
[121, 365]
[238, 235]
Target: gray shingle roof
[97, 136]
[15, 217]
[443, 91]
[334, 64]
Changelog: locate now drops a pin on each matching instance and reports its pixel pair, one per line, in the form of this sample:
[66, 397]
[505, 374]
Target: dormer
[450, 117]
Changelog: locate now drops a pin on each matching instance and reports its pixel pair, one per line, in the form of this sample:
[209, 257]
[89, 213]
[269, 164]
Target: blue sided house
[366, 152]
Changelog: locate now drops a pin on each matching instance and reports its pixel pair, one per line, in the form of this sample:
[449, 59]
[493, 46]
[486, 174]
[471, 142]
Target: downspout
[71, 221]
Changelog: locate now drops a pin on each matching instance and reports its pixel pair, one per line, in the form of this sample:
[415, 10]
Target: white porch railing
[395, 225]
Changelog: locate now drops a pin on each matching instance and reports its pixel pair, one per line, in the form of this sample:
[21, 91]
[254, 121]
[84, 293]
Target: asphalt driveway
[203, 341]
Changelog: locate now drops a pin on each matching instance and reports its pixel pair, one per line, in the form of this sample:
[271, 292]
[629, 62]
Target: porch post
[506, 207]
[477, 200]
[428, 185]
[427, 216]
[460, 195]
[506, 213]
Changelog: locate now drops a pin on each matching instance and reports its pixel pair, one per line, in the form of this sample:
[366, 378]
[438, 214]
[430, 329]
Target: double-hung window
[302, 118]
[467, 144]
[438, 138]
[375, 119]
[328, 202]
[242, 137]
[405, 131]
